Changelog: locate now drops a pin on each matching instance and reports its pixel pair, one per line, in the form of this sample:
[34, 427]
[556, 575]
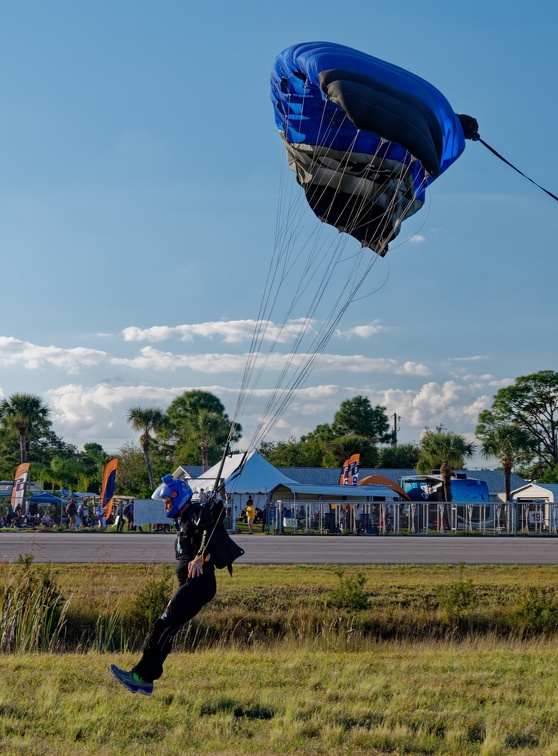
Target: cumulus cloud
[230, 331]
[455, 405]
[14, 352]
[361, 331]
[417, 239]
[150, 358]
[85, 413]
[472, 358]
[98, 413]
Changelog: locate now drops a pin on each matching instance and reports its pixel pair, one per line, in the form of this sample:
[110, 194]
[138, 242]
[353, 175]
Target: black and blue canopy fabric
[364, 137]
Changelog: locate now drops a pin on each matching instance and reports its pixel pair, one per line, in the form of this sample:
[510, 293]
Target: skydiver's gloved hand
[195, 567]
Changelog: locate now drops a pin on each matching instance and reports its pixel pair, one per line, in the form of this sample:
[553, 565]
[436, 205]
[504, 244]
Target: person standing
[83, 511]
[120, 517]
[129, 515]
[71, 511]
[196, 583]
[99, 514]
[250, 514]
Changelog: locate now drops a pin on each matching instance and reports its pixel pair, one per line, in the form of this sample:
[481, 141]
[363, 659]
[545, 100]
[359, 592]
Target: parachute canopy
[364, 137]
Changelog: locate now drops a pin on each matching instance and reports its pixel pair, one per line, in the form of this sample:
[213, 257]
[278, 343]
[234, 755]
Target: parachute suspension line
[308, 265]
[279, 258]
[319, 344]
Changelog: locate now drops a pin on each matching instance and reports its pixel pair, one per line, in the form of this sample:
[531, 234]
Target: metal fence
[411, 518]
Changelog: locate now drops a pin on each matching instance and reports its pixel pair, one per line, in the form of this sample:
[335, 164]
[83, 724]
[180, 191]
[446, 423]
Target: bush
[458, 597]
[350, 593]
[151, 600]
[537, 611]
[32, 609]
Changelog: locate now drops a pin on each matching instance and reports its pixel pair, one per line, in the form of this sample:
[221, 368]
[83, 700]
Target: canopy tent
[257, 476]
[44, 498]
[258, 479]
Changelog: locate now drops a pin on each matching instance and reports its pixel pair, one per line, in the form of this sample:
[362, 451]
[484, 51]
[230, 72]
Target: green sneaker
[132, 681]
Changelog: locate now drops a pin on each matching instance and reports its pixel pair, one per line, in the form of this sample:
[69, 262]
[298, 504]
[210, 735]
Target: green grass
[430, 698]
[109, 608]
[290, 659]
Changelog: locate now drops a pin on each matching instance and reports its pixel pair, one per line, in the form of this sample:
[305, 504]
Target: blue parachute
[364, 137]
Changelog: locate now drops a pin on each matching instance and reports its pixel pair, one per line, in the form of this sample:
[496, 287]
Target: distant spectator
[119, 522]
[71, 511]
[250, 514]
[83, 514]
[202, 497]
[129, 515]
[99, 514]
[46, 521]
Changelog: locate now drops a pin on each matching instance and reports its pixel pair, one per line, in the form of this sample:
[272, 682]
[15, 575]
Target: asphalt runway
[126, 548]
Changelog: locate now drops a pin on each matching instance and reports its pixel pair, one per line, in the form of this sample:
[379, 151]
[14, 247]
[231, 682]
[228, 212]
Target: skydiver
[196, 583]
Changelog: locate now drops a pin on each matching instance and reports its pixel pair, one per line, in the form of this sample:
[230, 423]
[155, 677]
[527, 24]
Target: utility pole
[396, 419]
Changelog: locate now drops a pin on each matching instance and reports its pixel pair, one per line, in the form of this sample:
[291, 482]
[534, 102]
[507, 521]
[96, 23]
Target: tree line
[520, 429]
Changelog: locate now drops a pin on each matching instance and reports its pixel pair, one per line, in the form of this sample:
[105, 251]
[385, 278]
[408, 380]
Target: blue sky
[139, 186]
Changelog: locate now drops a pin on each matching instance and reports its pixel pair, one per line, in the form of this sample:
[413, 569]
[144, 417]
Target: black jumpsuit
[195, 527]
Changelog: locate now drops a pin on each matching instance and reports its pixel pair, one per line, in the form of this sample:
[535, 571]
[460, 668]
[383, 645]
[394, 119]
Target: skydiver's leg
[190, 597]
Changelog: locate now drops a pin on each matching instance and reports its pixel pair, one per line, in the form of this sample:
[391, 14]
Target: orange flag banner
[18, 487]
[107, 490]
[349, 473]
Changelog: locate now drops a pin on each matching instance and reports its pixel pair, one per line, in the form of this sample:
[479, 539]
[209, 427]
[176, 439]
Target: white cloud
[155, 359]
[14, 352]
[82, 413]
[472, 358]
[454, 405]
[230, 331]
[417, 239]
[362, 331]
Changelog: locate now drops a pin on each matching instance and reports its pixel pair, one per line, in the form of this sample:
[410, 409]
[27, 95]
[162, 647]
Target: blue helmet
[178, 491]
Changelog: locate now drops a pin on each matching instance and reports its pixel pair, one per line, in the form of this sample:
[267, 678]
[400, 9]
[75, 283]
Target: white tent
[258, 479]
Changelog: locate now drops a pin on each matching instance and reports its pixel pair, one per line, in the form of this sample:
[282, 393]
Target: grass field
[290, 659]
[428, 698]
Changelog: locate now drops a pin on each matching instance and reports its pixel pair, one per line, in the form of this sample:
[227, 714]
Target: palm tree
[25, 415]
[68, 472]
[445, 450]
[506, 442]
[146, 420]
[207, 428]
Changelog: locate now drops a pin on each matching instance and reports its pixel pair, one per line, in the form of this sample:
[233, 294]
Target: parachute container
[364, 137]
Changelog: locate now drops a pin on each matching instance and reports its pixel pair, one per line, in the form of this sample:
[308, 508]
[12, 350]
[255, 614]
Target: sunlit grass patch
[475, 697]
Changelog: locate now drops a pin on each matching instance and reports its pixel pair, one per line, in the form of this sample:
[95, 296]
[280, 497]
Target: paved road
[158, 548]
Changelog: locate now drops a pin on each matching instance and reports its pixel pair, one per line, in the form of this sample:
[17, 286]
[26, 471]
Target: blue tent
[44, 498]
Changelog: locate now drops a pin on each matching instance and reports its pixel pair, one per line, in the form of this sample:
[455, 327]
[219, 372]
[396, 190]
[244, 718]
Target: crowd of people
[78, 514]
[10, 518]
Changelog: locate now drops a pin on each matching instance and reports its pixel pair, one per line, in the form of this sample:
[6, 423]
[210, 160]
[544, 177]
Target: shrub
[32, 609]
[349, 594]
[151, 599]
[537, 611]
[458, 597]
